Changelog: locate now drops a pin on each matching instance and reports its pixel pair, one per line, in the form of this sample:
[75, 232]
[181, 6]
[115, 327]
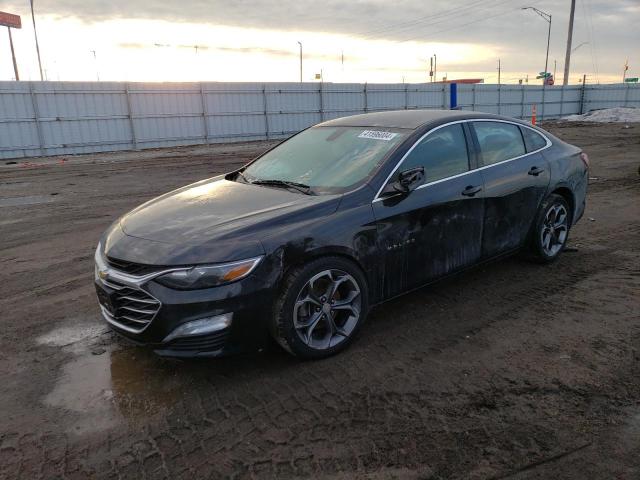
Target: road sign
[10, 20]
[631, 80]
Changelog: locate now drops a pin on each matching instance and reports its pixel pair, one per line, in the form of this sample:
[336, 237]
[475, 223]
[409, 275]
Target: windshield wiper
[301, 187]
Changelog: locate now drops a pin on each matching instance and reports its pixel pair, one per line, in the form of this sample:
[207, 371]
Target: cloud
[610, 26]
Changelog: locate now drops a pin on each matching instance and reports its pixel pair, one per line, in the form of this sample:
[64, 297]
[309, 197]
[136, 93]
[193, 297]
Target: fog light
[201, 327]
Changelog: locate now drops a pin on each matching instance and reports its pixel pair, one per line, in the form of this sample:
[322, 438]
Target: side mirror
[408, 180]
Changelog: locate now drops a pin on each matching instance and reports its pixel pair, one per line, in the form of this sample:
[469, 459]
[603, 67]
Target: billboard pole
[10, 21]
[35, 33]
[13, 55]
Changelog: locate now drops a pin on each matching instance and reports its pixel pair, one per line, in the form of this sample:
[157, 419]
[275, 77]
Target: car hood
[212, 220]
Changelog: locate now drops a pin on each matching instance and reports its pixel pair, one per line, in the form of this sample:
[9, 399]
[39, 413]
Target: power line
[590, 36]
[458, 26]
[426, 20]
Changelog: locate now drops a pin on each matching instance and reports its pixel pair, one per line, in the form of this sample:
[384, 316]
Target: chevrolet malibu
[299, 244]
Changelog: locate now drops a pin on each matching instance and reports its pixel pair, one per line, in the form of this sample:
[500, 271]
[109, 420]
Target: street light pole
[547, 18]
[35, 33]
[546, 60]
[95, 62]
[300, 43]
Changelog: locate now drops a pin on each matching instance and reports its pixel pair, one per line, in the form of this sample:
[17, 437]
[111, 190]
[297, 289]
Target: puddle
[29, 200]
[84, 388]
[105, 385]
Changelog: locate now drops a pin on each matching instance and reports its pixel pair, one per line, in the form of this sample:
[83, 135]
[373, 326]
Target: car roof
[409, 119]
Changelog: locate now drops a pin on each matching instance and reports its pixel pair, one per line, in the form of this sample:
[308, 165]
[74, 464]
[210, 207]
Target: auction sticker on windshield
[377, 135]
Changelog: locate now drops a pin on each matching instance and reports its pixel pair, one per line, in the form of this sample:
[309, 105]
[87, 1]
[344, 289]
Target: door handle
[535, 171]
[471, 190]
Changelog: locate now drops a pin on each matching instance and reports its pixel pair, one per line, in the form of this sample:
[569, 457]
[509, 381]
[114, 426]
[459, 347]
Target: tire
[307, 321]
[550, 231]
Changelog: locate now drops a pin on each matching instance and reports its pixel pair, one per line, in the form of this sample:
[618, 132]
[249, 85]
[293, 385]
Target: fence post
[406, 96]
[584, 78]
[626, 94]
[134, 139]
[366, 103]
[562, 100]
[444, 96]
[265, 112]
[473, 97]
[36, 116]
[522, 96]
[205, 114]
[321, 101]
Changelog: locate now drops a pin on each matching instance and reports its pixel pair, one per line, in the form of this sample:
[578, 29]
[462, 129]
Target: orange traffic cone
[533, 114]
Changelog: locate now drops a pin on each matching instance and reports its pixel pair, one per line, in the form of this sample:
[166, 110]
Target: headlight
[206, 276]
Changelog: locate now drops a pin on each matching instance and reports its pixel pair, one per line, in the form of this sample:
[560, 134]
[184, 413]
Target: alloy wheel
[327, 309]
[554, 230]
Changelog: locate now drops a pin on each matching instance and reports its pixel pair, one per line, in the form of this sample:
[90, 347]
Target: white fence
[53, 118]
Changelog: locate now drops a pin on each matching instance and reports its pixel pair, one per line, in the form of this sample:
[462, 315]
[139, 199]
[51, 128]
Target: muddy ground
[514, 370]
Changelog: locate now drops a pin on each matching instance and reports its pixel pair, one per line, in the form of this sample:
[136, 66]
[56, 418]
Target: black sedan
[299, 244]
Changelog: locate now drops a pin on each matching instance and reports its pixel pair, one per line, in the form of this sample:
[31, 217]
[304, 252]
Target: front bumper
[248, 300]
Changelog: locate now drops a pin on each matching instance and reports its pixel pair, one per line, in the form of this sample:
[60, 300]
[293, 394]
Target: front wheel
[551, 229]
[321, 308]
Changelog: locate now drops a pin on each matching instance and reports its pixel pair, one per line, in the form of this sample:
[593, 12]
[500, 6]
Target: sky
[358, 41]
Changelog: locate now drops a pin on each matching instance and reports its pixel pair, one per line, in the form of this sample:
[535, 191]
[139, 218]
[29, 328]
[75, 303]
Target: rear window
[532, 139]
[499, 141]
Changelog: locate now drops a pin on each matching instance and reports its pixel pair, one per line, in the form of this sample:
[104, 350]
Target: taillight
[585, 159]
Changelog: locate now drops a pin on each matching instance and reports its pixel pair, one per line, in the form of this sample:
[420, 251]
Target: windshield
[327, 159]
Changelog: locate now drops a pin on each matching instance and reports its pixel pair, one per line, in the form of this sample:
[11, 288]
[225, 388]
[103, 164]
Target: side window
[498, 141]
[533, 140]
[442, 153]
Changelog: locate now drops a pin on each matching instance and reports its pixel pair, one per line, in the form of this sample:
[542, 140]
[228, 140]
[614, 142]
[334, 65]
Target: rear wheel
[551, 230]
[321, 308]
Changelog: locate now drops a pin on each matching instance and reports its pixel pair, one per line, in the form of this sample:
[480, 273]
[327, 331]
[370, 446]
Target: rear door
[515, 181]
[437, 228]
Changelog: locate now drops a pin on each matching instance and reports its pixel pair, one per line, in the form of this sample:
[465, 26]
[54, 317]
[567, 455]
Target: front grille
[129, 308]
[132, 268]
[200, 343]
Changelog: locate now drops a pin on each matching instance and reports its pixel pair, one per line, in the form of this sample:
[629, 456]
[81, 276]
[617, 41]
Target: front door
[437, 228]
[515, 181]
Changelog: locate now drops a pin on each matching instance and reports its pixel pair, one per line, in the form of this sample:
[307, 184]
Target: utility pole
[624, 72]
[567, 59]
[547, 18]
[13, 55]
[431, 70]
[555, 65]
[35, 33]
[300, 43]
[499, 71]
[435, 67]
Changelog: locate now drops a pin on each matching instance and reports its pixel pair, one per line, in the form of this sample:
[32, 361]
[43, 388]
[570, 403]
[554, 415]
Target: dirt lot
[511, 371]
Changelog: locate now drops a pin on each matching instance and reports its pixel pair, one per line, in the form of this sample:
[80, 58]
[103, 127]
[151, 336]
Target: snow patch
[608, 115]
